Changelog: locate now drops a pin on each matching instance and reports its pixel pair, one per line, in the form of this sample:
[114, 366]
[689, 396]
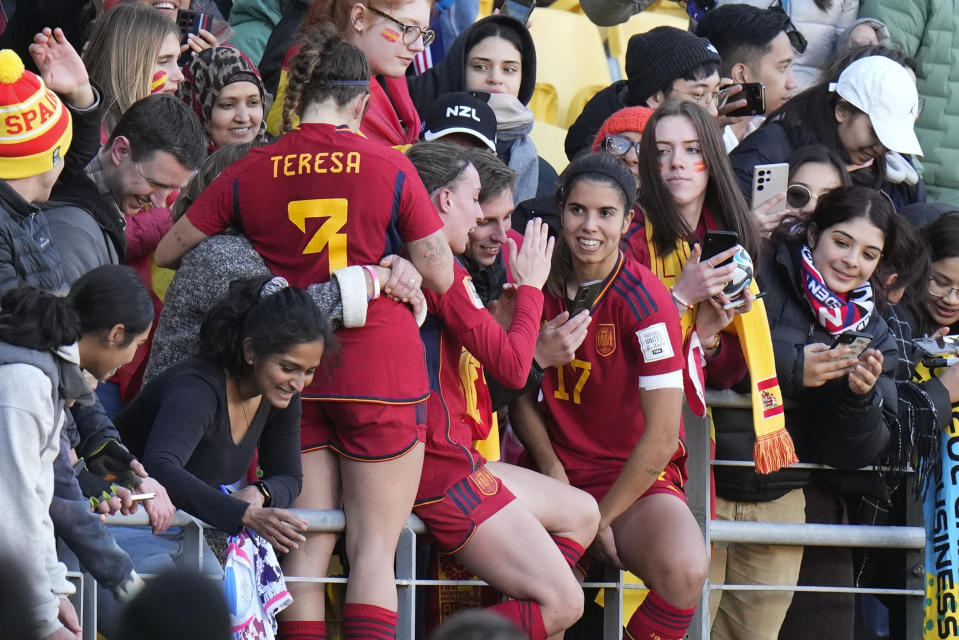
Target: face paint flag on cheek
[389, 35]
[699, 167]
[158, 81]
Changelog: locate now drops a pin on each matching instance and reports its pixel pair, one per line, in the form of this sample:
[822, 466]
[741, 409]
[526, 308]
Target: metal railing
[911, 538]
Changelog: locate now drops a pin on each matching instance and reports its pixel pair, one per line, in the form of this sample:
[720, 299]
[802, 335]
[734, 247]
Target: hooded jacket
[829, 424]
[33, 387]
[449, 75]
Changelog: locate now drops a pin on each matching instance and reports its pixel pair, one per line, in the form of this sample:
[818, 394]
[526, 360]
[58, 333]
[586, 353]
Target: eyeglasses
[941, 289]
[706, 99]
[798, 195]
[150, 181]
[620, 145]
[796, 39]
[411, 33]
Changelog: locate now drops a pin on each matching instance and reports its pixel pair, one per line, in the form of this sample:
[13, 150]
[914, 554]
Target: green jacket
[252, 22]
[928, 30]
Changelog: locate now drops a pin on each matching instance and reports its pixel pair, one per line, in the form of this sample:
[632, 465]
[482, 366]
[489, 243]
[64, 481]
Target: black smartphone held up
[755, 95]
[856, 340]
[585, 296]
[717, 242]
[191, 22]
[519, 9]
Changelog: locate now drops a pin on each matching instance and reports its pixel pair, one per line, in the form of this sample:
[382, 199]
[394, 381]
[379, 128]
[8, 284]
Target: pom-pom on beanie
[35, 127]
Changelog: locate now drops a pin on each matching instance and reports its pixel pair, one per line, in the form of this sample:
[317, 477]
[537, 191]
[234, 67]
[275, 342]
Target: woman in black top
[197, 425]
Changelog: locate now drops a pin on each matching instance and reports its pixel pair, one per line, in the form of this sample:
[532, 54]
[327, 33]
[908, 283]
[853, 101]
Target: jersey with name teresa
[295, 164]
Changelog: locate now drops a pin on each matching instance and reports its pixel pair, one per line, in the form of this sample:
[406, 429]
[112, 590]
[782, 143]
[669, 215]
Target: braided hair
[324, 61]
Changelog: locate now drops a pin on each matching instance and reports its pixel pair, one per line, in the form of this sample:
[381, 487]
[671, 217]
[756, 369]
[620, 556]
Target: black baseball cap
[461, 112]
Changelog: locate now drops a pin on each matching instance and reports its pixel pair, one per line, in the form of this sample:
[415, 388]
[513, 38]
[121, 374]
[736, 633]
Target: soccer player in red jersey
[496, 518]
[320, 198]
[611, 419]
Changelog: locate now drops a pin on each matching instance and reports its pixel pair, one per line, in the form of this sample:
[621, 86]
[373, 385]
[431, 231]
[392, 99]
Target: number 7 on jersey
[327, 236]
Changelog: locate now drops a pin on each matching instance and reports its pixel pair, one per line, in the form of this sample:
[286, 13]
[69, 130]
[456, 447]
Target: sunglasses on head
[796, 39]
[619, 145]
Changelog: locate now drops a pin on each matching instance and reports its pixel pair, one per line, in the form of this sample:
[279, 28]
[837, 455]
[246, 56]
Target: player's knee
[682, 581]
[565, 606]
[589, 516]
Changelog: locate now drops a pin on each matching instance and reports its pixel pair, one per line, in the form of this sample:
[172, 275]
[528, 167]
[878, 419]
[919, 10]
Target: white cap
[885, 91]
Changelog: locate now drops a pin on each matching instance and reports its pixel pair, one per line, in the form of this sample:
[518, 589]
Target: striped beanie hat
[35, 127]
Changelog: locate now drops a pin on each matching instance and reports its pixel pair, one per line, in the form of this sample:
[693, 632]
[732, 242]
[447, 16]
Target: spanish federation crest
[605, 339]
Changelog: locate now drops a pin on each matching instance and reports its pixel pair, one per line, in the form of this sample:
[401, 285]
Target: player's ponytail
[326, 68]
[438, 164]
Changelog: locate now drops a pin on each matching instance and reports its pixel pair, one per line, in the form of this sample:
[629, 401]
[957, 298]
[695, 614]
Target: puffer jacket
[822, 30]
[27, 253]
[829, 424]
[928, 30]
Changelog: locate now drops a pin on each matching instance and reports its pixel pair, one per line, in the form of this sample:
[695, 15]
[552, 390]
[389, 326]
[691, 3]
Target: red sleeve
[145, 230]
[418, 217]
[212, 211]
[729, 367]
[506, 355]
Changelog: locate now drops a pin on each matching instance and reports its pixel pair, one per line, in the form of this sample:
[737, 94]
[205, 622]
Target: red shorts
[467, 504]
[364, 431]
[671, 481]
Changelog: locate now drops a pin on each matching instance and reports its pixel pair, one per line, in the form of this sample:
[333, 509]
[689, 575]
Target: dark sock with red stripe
[368, 622]
[656, 619]
[525, 614]
[570, 549]
[301, 630]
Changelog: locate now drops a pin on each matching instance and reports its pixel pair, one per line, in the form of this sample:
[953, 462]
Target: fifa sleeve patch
[654, 342]
[471, 292]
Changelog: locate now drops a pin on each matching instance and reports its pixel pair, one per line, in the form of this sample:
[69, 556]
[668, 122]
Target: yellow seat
[549, 140]
[570, 56]
[661, 14]
[544, 103]
[579, 101]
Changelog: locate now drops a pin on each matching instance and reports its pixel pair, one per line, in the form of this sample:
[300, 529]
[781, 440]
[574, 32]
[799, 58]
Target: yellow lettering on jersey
[327, 236]
[561, 393]
[469, 374]
[297, 164]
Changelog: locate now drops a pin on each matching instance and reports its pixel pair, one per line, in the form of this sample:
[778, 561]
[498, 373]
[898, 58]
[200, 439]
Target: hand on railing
[278, 526]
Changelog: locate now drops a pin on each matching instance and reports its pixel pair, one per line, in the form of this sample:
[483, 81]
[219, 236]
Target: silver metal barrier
[911, 538]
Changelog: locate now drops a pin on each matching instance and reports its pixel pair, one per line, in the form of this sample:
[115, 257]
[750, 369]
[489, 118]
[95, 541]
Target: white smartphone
[769, 180]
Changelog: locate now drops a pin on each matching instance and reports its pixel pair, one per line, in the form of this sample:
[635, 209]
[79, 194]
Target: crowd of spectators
[353, 282]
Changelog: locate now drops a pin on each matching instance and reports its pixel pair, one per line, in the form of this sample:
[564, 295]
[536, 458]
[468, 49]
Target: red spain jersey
[319, 199]
[461, 339]
[592, 405]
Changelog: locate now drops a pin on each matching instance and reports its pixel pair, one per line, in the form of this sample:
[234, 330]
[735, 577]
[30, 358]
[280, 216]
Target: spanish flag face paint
[699, 167]
[390, 35]
[158, 81]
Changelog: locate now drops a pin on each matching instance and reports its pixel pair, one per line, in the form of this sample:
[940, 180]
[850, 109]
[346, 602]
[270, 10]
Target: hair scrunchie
[274, 284]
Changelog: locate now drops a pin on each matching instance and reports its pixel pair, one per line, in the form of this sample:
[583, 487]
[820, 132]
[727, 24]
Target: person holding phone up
[819, 280]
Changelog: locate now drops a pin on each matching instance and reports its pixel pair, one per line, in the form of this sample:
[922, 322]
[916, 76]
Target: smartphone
[769, 180]
[755, 95]
[519, 9]
[585, 296]
[716, 242]
[142, 496]
[191, 22]
[855, 340]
